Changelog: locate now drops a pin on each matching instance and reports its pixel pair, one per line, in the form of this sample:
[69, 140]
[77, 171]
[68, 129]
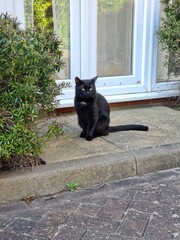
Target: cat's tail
[135, 127]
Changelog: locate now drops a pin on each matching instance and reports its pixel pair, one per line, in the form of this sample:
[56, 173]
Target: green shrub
[169, 35]
[28, 58]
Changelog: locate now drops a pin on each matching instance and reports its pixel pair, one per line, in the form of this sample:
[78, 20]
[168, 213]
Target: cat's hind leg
[101, 128]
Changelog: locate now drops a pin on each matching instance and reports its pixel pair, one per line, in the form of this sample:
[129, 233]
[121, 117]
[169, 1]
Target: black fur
[93, 112]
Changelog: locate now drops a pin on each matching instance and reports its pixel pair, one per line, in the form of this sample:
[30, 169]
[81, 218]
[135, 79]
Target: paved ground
[116, 156]
[146, 208]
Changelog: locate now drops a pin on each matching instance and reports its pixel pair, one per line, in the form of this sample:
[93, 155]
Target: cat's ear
[78, 81]
[94, 79]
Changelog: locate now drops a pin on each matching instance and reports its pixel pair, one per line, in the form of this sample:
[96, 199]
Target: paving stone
[8, 236]
[114, 209]
[169, 195]
[98, 199]
[161, 227]
[147, 187]
[31, 214]
[8, 208]
[145, 196]
[159, 235]
[175, 184]
[134, 224]
[151, 207]
[129, 182]
[140, 208]
[69, 207]
[163, 176]
[88, 210]
[45, 228]
[70, 233]
[20, 226]
[28, 237]
[96, 235]
[106, 225]
[121, 193]
[176, 215]
[56, 216]
[3, 221]
[163, 222]
[48, 226]
[114, 189]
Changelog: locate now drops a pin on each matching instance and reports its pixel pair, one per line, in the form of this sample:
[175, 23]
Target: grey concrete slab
[51, 178]
[69, 148]
[128, 116]
[133, 140]
[163, 118]
[154, 159]
[164, 128]
[118, 155]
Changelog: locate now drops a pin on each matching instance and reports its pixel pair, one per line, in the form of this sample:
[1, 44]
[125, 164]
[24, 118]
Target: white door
[106, 39]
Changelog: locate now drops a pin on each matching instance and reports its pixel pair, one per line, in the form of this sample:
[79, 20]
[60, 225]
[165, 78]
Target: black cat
[93, 111]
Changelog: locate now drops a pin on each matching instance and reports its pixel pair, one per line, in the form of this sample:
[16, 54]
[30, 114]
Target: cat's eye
[90, 89]
[83, 89]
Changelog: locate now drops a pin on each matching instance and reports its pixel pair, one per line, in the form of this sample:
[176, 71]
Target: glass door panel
[162, 70]
[114, 37]
[52, 15]
[61, 17]
[28, 8]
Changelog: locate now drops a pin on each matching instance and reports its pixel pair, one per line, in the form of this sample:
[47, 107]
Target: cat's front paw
[83, 134]
[89, 138]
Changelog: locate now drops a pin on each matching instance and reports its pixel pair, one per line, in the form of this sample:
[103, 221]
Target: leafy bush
[28, 58]
[41, 16]
[169, 35]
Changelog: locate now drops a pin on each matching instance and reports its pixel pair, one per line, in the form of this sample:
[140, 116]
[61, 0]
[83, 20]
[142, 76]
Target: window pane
[28, 7]
[162, 70]
[114, 37]
[61, 15]
[54, 15]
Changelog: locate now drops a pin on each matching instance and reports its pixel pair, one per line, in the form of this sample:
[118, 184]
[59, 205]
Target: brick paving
[139, 208]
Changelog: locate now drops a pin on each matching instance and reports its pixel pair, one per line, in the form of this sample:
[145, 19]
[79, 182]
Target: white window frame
[14, 9]
[167, 88]
[87, 60]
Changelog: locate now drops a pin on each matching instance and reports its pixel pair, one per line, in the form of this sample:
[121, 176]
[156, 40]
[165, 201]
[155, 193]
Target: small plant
[72, 186]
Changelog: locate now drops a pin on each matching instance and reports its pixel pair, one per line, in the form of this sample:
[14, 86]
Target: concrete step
[118, 155]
